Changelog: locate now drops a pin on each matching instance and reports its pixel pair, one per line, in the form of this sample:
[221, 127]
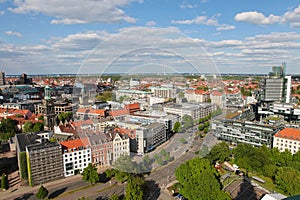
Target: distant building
[163, 92]
[23, 80]
[198, 96]
[134, 82]
[287, 139]
[49, 114]
[217, 98]
[44, 162]
[76, 156]
[276, 87]
[195, 110]
[2, 78]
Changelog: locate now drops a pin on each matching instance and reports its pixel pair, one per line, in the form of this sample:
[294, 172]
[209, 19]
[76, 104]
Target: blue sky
[71, 36]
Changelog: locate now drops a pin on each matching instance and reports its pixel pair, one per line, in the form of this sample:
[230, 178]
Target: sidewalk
[23, 190]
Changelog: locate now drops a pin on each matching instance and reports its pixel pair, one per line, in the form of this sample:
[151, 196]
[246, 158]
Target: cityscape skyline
[45, 38]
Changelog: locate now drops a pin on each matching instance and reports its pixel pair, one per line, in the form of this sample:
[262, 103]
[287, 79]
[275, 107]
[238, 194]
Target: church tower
[49, 112]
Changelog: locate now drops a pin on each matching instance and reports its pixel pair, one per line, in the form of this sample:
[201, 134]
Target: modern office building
[76, 156]
[287, 139]
[150, 136]
[276, 87]
[44, 162]
[2, 78]
[235, 132]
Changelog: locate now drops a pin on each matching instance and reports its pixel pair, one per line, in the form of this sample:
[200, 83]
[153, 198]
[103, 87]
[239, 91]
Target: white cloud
[13, 33]
[188, 5]
[206, 21]
[133, 46]
[198, 20]
[77, 11]
[291, 17]
[255, 17]
[225, 27]
[151, 23]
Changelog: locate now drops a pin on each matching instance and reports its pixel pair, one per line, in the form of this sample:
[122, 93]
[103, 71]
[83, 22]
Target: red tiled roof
[70, 144]
[129, 132]
[132, 106]
[289, 133]
[81, 122]
[91, 111]
[116, 113]
[216, 93]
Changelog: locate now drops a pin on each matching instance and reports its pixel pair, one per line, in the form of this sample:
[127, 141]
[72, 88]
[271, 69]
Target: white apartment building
[288, 138]
[121, 146]
[195, 110]
[76, 156]
[198, 96]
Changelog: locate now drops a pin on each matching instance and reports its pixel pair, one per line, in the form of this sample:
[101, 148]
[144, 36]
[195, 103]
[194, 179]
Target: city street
[74, 188]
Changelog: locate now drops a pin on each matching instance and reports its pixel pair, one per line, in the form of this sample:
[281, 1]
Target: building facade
[76, 156]
[121, 146]
[44, 162]
[235, 132]
[287, 139]
[149, 137]
[195, 110]
[102, 149]
[2, 78]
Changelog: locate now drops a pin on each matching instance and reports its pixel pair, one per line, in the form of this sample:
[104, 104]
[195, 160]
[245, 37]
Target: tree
[42, 193]
[201, 127]
[205, 130]
[41, 117]
[187, 121]
[288, 180]
[114, 197]
[270, 170]
[4, 182]
[64, 116]
[8, 128]
[27, 127]
[199, 180]
[109, 173]
[135, 188]
[220, 152]
[90, 174]
[38, 126]
[176, 127]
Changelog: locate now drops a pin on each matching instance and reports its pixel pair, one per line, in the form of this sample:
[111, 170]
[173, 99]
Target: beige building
[120, 146]
[288, 138]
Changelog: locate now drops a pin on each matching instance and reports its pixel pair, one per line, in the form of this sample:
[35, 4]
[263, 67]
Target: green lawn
[269, 185]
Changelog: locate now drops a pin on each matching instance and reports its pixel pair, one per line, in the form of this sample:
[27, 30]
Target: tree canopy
[8, 128]
[187, 121]
[90, 174]
[176, 127]
[199, 180]
[135, 188]
[220, 152]
[42, 193]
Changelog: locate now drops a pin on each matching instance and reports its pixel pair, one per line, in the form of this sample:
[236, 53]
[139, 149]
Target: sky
[96, 36]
